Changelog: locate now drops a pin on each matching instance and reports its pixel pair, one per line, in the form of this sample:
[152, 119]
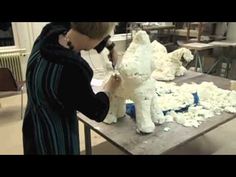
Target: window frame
[15, 37]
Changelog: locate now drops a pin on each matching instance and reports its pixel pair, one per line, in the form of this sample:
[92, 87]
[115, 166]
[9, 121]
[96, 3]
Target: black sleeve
[76, 93]
[102, 44]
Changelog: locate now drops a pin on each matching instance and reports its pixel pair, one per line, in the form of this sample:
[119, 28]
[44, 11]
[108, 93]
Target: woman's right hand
[113, 83]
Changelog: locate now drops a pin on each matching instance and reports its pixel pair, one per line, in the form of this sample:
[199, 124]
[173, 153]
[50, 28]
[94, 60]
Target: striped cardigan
[58, 85]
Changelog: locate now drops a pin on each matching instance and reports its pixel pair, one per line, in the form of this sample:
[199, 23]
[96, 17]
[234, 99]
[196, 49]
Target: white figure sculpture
[137, 85]
[168, 65]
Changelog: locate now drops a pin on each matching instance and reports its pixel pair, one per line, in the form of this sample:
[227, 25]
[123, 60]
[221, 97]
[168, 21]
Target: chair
[199, 31]
[8, 83]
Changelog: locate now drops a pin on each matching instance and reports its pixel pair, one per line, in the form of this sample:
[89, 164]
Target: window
[6, 35]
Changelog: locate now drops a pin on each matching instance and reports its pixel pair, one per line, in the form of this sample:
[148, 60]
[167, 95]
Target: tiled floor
[219, 141]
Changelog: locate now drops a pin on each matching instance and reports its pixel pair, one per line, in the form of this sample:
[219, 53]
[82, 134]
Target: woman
[58, 84]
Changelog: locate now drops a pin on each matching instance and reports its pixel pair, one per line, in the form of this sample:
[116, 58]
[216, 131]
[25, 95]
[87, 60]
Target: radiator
[12, 61]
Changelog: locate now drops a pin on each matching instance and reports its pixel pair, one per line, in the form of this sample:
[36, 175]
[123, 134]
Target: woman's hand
[113, 83]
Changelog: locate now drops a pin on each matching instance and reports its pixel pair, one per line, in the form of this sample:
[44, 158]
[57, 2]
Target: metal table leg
[201, 60]
[88, 145]
[214, 65]
[228, 67]
[196, 60]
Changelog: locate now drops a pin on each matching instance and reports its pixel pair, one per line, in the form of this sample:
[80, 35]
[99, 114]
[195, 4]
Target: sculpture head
[136, 62]
[187, 55]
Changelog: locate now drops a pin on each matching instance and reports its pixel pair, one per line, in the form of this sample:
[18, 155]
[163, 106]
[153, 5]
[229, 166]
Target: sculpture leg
[180, 71]
[156, 113]
[143, 115]
[121, 107]
[112, 113]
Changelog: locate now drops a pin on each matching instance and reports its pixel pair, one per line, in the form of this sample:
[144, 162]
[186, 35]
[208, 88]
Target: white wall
[37, 28]
[25, 34]
[231, 33]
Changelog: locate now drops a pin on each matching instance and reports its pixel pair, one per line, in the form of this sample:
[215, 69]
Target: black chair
[9, 84]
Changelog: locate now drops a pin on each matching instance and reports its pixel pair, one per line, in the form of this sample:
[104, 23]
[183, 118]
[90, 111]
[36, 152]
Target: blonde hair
[94, 30]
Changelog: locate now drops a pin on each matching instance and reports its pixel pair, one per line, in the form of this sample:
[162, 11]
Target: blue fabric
[130, 107]
[196, 98]
[130, 110]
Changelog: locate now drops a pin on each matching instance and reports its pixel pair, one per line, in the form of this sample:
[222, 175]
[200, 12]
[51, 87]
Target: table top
[218, 81]
[198, 46]
[223, 43]
[188, 75]
[123, 133]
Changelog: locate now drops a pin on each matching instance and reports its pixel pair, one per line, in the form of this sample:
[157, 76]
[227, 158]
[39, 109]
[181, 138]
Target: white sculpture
[152, 98]
[168, 65]
[137, 85]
